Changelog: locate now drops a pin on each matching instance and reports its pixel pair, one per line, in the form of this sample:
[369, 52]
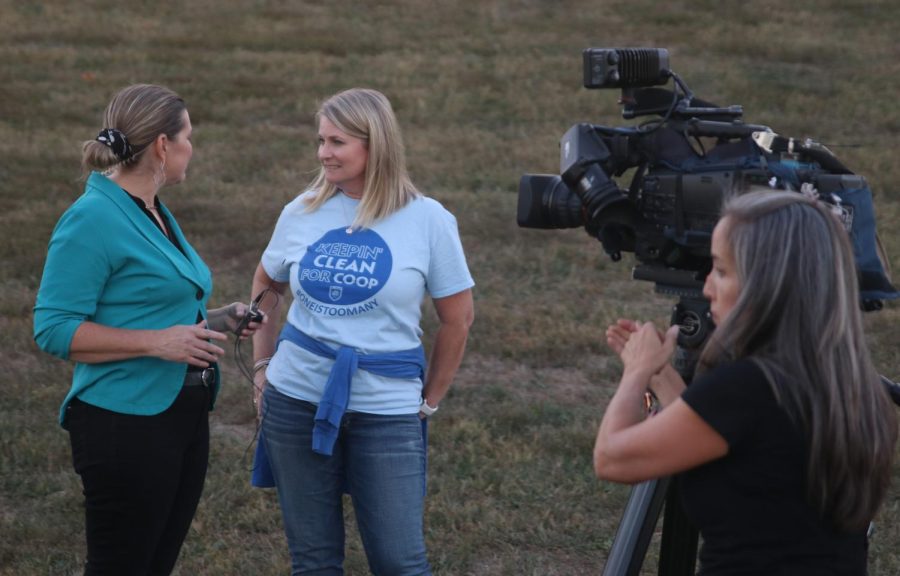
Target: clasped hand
[646, 353]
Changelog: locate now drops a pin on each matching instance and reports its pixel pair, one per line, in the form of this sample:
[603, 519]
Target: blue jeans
[379, 459]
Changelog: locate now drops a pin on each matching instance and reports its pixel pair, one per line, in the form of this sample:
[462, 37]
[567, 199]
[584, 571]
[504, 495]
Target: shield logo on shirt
[334, 292]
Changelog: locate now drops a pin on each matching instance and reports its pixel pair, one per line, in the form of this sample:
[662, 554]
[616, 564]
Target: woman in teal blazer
[124, 295]
[110, 265]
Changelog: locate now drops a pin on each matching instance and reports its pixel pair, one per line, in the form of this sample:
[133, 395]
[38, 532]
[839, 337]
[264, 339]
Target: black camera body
[687, 161]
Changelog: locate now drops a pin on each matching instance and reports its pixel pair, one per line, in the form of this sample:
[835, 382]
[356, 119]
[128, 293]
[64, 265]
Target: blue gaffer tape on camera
[851, 193]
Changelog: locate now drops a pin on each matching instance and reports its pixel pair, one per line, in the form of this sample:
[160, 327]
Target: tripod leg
[626, 556]
[678, 548]
[679, 539]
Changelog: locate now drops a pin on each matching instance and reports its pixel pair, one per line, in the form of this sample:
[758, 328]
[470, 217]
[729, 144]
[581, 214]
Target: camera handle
[678, 546]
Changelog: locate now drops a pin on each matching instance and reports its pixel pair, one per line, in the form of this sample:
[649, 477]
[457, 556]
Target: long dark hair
[798, 317]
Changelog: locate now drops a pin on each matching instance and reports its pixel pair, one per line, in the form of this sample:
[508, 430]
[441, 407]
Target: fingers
[615, 339]
[203, 353]
[670, 340]
[194, 361]
[645, 352]
[206, 334]
[248, 331]
[671, 336]
[237, 310]
[617, 335]
[631, 339]
[251, 327]
[213, 335]
[645, 332]
[190, 344]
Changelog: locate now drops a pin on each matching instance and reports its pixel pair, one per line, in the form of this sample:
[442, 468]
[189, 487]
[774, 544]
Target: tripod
[678, 548]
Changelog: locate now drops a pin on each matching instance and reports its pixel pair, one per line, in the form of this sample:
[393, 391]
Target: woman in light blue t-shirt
[343, 390]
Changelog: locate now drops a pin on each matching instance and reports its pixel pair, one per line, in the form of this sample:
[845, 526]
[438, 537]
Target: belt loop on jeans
[205, 377]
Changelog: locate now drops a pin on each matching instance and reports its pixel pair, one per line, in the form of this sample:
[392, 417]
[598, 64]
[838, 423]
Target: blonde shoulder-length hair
[367, 114]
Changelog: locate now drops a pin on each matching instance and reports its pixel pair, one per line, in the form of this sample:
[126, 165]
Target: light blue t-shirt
[362, 289]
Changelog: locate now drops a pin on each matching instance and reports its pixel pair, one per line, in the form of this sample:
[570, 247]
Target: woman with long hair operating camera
[785, 437]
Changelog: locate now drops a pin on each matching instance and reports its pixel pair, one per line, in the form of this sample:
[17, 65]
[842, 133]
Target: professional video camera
[686, 163]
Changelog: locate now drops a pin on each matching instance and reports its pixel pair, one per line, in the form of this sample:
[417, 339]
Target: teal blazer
[108, 263]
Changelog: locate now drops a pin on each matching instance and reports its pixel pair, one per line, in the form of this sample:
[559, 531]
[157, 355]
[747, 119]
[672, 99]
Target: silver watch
[427, 410]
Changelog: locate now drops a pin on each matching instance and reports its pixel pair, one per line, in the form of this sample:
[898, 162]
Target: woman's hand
[266, 336]
[624, 332]
[632, 448]
[228, 319]
[456, 314]
[188, 344]
[647, 350]
[666, 384]
[617, 335]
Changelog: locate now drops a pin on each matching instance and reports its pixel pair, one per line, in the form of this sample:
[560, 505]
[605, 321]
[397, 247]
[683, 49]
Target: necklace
[154, 211]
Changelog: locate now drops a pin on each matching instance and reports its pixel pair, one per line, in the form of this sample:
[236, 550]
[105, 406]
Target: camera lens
[546, 202]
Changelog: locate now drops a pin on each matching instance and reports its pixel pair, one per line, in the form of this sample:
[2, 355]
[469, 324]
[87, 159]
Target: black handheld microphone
[253, 314]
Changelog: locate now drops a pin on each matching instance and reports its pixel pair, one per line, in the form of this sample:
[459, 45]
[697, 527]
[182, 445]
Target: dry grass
[484, 90]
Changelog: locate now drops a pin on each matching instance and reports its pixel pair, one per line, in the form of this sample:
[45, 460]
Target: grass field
[483, 89]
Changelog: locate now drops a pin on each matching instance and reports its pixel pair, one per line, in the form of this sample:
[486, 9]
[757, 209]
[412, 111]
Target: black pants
[142, 479]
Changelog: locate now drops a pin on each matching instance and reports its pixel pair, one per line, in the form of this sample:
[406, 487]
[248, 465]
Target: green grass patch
[483, 91]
